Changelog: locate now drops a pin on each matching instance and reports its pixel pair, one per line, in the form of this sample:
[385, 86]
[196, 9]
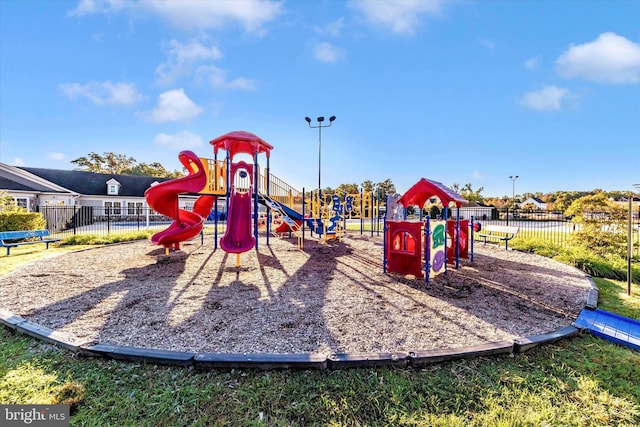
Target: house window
[113, 187]
[22, 202]
[112, 208]
[134, 208]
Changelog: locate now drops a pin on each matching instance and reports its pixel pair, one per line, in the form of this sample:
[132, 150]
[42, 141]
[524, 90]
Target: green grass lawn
[582, 381]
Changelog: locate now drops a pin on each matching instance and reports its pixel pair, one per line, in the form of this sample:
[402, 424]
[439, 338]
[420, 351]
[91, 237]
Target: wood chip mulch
[326, 298]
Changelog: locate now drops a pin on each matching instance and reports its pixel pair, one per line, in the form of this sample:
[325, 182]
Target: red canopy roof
[240, 141]
[425, 189]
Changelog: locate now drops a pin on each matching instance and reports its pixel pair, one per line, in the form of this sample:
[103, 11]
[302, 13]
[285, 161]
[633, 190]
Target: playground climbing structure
[243, 187]
[423, 249]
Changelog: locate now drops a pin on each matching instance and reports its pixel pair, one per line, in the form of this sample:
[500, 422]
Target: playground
[264, 290]
[326, 298]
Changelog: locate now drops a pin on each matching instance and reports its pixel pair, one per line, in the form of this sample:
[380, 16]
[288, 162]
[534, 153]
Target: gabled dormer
[113, 187]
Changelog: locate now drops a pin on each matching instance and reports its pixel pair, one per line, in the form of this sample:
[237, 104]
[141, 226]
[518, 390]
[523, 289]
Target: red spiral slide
[163, 198]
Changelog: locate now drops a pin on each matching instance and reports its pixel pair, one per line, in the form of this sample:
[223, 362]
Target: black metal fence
[64, 221]
[553, 227]
[71, 220]
[550, 226]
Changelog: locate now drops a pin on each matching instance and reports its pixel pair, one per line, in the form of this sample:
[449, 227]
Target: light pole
[513, 188]
[319, 126]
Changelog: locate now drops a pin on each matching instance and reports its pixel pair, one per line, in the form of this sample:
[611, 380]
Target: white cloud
[89, 7]
[241, 83]
[400, 16]
[182, 57]
[532, 63]
[217, 78]
[194, 57]
[105, 93]
[17, 161]
[326, 52]
[549, 98]
[192, 14]
[251, 14]
[55, 156]
[180, 141]
[174, 106]
[332, 29]
[609, 59]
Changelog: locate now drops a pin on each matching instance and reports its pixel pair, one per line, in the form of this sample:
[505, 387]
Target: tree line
[119, 164]
[562, 201]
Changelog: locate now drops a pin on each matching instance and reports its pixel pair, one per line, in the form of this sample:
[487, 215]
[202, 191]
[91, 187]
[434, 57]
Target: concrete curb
[525, 343]
[426, 357]
[9, 319]
[140, 354]
[40, 332]
[366, 360]
[267, 361]
[263, 361]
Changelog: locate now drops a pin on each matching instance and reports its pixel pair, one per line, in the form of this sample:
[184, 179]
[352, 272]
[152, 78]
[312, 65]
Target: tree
[595, 206]
[108, 162]
[497, 202]
[561, 200]
[602, 224]
[367, 186]
[620, 195]
[120, 164]
[154, 169]
[386, 188]
[347, 189]
[468, 193]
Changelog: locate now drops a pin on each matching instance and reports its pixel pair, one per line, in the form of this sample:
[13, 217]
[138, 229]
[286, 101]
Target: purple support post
[256, 172]
[445, 213]
[215, 205]
[427, 249]
[457, 238]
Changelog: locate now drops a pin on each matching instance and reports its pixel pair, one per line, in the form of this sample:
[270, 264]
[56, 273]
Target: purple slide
[239, 237]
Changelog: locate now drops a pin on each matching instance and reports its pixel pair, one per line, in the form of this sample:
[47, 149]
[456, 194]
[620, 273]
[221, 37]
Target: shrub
[21, 220]
[537, 246]
[602, 239]
[601, 263]
[94, 239]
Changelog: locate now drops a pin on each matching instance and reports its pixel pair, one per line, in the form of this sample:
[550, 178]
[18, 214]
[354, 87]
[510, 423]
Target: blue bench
[498, 232]
[12, 239]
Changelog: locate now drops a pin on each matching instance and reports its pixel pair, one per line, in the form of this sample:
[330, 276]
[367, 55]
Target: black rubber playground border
[266, 361]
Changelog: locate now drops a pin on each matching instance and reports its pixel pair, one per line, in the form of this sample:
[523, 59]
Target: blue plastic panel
[610, 326]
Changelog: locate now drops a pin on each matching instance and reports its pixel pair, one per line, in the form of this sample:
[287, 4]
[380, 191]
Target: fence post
[629, 246]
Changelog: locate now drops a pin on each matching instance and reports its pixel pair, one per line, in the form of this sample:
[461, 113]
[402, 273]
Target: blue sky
[453, 91]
